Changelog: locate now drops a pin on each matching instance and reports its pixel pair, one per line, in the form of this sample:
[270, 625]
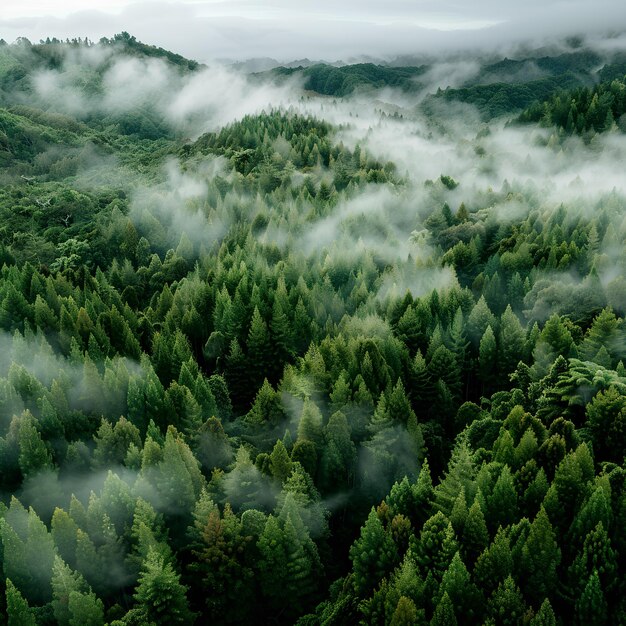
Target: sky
[316, 29]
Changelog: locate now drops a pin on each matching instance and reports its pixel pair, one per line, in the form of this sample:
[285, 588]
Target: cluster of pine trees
[582, 111]
[232, 425]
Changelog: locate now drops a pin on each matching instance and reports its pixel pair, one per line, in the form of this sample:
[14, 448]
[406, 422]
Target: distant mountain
[329, 80]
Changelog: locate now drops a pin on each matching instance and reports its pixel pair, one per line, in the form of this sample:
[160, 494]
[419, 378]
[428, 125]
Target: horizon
[238, 31]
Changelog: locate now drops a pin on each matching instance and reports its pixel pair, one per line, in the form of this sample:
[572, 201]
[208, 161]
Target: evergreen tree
[487, 359]
[64, 582]
[511, 343]
[495, 564]
[591, 607]
[540, 558]
[221, 562]
[18, 611]
[444, 613]
[545, 616]
[461, 591]
[160, 596]
[405, 613]
[34, 455]
[436, 546]
[373, 554]
[506, 605]
[475, 534]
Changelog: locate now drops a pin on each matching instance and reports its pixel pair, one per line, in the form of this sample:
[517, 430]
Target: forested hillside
[583, 111]
[307, 363]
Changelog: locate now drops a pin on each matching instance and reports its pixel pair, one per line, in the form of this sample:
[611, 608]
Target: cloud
[94, 81]
[328, 30]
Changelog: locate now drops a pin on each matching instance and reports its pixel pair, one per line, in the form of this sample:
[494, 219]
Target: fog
[90, 82]
[319, 30]
[503, 171]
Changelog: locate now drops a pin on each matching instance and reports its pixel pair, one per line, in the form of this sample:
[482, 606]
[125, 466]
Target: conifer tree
[18, 611]
[373, 554]
[160, 596]
[444, 613]
[545, 616]
[591, 607]
[495, 564]
[436, 546]
[405, 613]
[221, 563]
[475, 534]
[461, 591]
[506, 605]
[540, 558]
[64, 582]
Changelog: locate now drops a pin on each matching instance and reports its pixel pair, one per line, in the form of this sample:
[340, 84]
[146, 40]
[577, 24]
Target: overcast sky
[320, 29]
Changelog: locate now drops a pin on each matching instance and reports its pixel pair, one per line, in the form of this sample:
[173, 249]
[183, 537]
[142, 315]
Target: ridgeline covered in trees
[265, 375]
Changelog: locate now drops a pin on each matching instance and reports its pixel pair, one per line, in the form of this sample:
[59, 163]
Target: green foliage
[582, 110]
[372, 555]
[211, 407]
[160, 596]
[18, 611]
[342, 81]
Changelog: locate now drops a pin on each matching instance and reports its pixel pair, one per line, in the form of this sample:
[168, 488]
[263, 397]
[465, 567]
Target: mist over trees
[333, 347]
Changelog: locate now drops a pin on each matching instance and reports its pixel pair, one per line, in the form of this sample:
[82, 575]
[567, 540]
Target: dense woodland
[210, 412]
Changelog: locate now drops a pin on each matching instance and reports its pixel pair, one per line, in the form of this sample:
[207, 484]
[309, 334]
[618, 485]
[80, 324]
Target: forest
[314, 346]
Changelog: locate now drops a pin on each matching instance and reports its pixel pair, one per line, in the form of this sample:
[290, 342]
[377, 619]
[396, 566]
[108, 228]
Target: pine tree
[596, 510]
[436, 546]
[221, 563]
[160, 596]
[289, 563]
[280, 463]
[458, 515]
[545, 616]
[421, 386]
[310, 425]
[606, 421]
[28, 552]
[460, 474]
[86, 609]
[113, 442]
[444, 366]
[444, 613]
[487, 359]
[260, 351]
[495, 564]
[337, 465]
[213, 447]
[405, 613]
[281, 337]
[34, 455]
[272, 563]
[462, 592]
[64, 531]
[243, 483]
[18, 611]
[540, 558]
[506, 605]
[502, 504]
[591, 607]
[64, 582]
[236, 374]
[598, 555]
[511, 343]
[605, 332]
[373, 554]
[475, 534]
[267, 409]
[479, 319]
